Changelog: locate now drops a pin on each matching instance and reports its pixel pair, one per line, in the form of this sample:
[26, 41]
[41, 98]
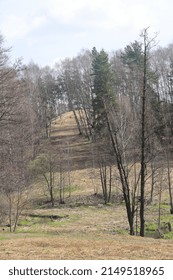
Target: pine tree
[102, 93]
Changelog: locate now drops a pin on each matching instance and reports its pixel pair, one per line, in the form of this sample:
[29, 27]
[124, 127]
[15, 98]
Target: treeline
[123, 104]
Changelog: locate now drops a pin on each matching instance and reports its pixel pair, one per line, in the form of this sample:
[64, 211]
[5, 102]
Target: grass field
[83, 227]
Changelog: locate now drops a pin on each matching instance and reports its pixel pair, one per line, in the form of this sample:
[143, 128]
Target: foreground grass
[85, 232]
[85, 246]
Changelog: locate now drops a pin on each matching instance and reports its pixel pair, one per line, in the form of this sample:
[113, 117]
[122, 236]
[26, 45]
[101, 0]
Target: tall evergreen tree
[102, 93]
[133, 55]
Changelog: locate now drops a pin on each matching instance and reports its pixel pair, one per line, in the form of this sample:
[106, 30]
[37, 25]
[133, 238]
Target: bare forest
[86, 152]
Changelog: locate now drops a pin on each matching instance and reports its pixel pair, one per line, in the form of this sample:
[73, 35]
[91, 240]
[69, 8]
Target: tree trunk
[123, 178]
[143, 127]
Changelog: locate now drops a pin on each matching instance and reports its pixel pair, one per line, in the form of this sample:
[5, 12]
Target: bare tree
[106, 179]
[15, 151]
[44, 166]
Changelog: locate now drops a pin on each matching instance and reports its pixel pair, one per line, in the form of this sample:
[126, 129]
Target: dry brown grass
[86, 247]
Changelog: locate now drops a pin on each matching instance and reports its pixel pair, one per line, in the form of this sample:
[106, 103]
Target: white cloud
[104, 14]
[64, 27]
[80, 35]
[38, 21]
[18, 26]
[63, 10]
[14, 27]
[100, 14]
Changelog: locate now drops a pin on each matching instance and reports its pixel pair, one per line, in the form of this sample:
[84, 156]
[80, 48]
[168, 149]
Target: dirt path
[64, 134]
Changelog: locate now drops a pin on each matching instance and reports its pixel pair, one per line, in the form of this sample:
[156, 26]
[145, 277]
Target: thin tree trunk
[143, 127]
[169, 184]
[110, 183]
[123, 178]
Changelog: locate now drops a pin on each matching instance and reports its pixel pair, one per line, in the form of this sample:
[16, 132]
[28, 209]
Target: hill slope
[85, 228]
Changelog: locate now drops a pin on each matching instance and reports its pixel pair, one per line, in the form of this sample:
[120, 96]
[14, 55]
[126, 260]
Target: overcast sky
[48, 30]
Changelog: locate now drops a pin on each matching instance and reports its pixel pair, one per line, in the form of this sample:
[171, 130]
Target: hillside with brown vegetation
[84, 227]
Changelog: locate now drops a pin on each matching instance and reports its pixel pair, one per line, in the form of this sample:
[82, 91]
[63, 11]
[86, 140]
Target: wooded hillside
[93, 131]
